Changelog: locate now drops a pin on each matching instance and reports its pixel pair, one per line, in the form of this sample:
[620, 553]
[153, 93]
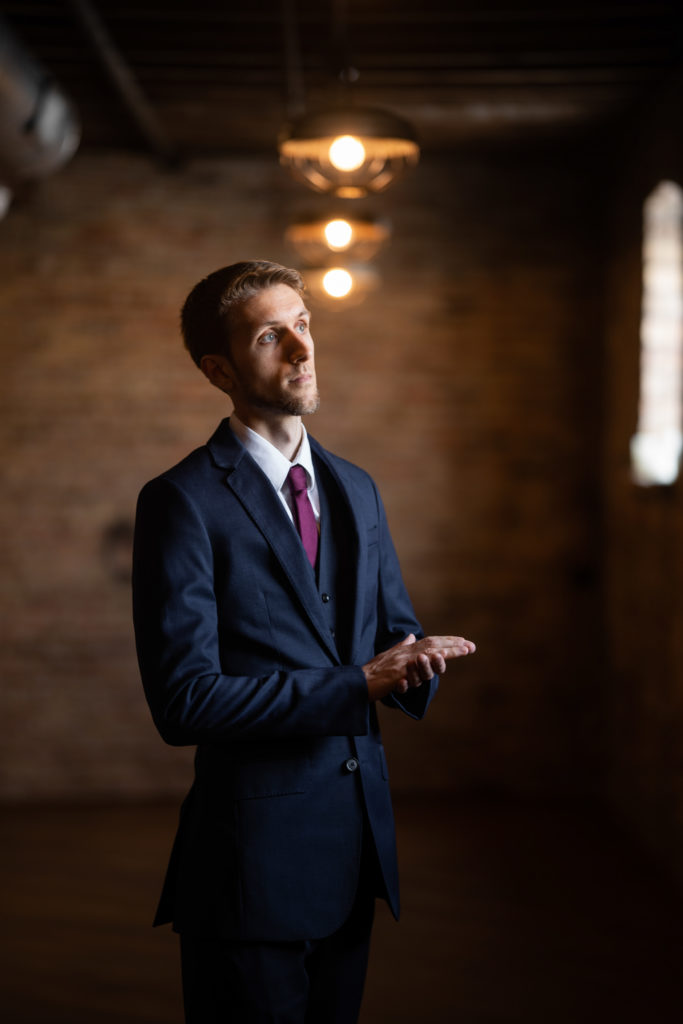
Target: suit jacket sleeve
[191, 696]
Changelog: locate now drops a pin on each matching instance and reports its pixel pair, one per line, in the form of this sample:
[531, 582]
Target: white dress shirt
[276, 466]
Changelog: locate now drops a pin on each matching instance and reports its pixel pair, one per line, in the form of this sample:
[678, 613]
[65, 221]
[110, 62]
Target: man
[270, 619]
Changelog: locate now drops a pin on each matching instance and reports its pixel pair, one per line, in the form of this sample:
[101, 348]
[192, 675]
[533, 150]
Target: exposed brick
[466, 385]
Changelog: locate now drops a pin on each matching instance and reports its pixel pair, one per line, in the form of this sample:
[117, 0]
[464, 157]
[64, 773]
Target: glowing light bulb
[338, 234]
[337, 282]
[347, 153]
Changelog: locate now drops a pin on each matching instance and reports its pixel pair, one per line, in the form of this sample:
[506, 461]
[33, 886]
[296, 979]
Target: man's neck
[284, 432]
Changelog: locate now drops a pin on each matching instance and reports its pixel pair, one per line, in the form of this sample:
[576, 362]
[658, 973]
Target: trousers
[307, 982]
[317, 981]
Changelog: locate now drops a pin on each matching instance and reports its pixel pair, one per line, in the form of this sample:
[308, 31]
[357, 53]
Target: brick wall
[469, 385]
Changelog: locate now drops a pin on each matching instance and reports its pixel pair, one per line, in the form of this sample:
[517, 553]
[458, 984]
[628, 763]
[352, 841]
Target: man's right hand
[411, 663]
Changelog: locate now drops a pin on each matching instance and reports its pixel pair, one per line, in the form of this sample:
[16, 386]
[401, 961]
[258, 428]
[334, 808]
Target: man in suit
[270, 619]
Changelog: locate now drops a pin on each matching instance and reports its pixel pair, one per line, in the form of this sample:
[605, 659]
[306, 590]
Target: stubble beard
[304, 406]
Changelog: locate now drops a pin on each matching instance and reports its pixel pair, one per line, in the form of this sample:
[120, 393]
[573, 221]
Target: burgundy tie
[304, 516]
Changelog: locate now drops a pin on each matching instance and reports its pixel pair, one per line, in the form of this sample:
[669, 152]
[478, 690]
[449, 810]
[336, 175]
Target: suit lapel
[255, 492]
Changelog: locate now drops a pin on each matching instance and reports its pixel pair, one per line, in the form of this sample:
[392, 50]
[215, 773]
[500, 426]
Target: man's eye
[268, 337]
[302, 327]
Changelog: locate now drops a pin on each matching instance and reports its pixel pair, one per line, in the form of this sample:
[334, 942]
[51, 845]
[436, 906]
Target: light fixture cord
[295, 93]
[345, 73]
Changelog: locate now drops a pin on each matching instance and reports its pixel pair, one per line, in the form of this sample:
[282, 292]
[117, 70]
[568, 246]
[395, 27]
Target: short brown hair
[204, 318]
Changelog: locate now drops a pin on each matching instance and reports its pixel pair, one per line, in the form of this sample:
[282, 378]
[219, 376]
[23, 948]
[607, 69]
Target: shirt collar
[269, 459]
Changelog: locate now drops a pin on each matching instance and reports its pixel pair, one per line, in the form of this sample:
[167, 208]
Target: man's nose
[300, 346]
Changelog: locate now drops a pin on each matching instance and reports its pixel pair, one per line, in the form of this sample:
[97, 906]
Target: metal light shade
[359, 239]
[385, 143]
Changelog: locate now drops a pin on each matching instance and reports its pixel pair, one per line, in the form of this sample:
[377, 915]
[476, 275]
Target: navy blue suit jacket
[237, 656]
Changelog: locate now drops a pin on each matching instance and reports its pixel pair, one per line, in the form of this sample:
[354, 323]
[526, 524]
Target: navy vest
[336, 553]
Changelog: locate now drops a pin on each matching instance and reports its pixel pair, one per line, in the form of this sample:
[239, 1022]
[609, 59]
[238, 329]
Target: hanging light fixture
[320, 240]
[348, 151]
[345, 150]
[340, 286]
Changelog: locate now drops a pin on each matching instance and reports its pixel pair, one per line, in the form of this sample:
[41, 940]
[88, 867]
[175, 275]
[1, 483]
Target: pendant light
[323, 240]
[348, 151]
[339, 287]
[344, 149]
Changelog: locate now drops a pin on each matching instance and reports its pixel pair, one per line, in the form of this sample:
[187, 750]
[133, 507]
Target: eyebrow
[274, 323]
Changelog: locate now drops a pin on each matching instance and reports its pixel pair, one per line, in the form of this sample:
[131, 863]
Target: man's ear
[217, 369]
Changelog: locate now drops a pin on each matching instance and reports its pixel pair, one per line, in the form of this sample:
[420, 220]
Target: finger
[406, 642]
[412, 674]
[447, 653]
[442, 642]
[458, 650]
[416, 675]
[424, 666]
[469, 646]
[437, 664]
[401, 686]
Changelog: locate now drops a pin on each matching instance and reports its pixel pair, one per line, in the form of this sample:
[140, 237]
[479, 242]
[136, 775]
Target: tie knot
[297, 479]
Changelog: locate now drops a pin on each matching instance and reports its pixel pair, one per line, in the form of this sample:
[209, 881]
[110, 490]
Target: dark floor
[531, 915]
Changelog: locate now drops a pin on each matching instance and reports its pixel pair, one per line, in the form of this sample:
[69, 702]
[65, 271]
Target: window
[656, 447]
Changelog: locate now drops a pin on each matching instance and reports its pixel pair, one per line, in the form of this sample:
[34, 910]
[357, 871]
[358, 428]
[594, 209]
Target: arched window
[656, 447]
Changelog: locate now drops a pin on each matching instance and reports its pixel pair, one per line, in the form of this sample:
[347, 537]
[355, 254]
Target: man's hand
[411, 663]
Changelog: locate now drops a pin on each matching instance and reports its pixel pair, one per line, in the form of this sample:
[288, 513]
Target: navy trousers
[319, 982]
[308, 982]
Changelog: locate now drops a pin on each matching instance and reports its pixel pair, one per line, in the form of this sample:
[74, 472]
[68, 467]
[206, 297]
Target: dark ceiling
[203, 76]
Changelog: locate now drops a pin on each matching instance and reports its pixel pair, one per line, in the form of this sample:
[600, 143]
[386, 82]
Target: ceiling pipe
[39, 128]
[125, 83]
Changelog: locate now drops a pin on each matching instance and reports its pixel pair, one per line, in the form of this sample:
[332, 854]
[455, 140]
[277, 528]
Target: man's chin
[302, 407]
[306, 405]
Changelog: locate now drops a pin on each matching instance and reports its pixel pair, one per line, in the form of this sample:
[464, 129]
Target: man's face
[271, 363]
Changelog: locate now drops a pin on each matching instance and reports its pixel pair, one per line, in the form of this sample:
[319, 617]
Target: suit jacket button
[325, 597]
[351, 765]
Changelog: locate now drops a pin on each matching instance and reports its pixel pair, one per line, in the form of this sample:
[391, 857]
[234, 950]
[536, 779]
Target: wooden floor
[531, 915]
